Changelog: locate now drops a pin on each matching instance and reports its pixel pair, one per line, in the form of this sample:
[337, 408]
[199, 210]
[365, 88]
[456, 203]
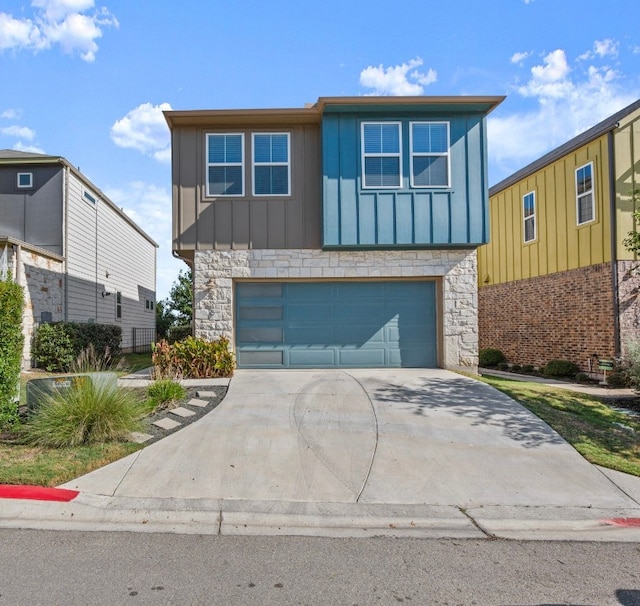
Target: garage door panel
[312, 358]
[334, 324]
[310, 311]
[358, 357]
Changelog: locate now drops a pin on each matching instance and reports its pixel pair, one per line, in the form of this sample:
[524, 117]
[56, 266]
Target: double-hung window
[529, 214]
[271, 166]
[381, 154]
[225, 165]
[585, 200]
[429, 154]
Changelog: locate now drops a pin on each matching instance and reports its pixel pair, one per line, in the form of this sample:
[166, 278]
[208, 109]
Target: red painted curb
[624, 522]
[37, 493]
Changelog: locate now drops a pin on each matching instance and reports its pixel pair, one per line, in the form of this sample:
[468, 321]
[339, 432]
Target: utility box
[39, 389]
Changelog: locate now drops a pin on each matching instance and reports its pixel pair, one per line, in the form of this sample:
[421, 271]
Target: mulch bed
[192, 392]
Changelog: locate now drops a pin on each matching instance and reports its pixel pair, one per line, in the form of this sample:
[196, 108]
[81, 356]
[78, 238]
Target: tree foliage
[632, 241]
[177, 308]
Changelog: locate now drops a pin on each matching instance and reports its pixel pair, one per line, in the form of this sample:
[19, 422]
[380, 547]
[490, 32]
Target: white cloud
[61, 22]
[150, 207]
[402, 79]
[32, 149]
[145, 129]
[569, 99]
[518, 58]
[20, 132]
[10, 114]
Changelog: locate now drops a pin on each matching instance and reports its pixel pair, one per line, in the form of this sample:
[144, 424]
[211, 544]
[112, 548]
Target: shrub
[528, 369]
[582, 377]
[617, 379]
[503, 366]
[194, 358]
[516, 368]
[162, 393]
[83, 414]
[11, 341]
[560, 368]
[632, 364]
[56, 346]
[178, 333]
[490, 357]
[52, 348]
[90, 361]
[104, 337]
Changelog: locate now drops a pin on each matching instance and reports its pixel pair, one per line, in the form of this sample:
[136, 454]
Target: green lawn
[52, 466]
[587, 423]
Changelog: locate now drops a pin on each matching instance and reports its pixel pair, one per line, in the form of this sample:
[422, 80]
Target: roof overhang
[312, 114]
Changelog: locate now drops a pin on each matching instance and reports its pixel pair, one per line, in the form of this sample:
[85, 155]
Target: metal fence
[142, 339]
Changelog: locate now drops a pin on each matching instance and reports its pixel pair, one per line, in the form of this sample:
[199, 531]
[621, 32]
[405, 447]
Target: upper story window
[381, 154]
[529, 214]
[25, 180]
[429, 154]
[89, 197]
[271, 167]
[585, 199]
[225, 166]
[118, 305]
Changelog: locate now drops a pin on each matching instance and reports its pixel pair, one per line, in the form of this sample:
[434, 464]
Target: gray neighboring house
[77, 255]
[340, 234]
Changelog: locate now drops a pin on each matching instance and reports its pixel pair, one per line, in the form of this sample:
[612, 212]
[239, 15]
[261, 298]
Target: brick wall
[566, 315]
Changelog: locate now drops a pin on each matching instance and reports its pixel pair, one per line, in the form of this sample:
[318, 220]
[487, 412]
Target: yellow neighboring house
[555, 281]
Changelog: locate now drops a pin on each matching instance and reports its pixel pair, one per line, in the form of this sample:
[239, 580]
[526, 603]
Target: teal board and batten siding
[451, 216]
[336, 324]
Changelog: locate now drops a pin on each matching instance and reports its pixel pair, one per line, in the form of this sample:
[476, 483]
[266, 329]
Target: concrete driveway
[298, 451]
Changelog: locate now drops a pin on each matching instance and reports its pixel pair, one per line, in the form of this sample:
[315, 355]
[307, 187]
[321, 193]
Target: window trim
[89, 197]
[446, 154]
[118, 299]
[529, 218]
[591, 191]
[364, 155]
[207, 165]
[254, 164]
[24, 174]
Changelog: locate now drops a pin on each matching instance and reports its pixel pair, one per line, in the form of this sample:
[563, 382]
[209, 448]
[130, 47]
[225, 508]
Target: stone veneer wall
[566, 315]
[628, 304]
[43, 283]
[215, 271]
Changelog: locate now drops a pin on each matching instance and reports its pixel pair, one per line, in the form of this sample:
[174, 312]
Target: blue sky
[88, 80]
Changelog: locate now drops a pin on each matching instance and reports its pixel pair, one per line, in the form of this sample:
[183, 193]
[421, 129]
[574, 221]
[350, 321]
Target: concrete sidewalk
[422, 453]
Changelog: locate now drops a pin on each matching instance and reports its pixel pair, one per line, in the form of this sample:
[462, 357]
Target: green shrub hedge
[11, 342]
[178, 333]
[560, 368]
[56, 346]
[491, 357]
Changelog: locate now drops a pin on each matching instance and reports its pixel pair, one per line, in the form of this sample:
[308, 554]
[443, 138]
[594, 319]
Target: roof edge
[32, 247]
[603, 127]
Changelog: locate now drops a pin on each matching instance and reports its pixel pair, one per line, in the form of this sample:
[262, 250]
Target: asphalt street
[73, 568]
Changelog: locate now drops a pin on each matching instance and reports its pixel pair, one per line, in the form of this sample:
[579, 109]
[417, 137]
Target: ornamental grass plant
[86, 413]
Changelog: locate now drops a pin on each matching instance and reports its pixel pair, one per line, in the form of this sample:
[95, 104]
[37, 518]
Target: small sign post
[604, 366]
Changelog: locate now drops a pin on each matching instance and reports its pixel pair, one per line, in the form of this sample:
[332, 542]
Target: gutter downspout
[614, 243]
[65, 244]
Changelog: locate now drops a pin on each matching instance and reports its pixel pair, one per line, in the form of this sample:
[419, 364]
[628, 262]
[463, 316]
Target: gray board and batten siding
[201, 222]
[34, 214]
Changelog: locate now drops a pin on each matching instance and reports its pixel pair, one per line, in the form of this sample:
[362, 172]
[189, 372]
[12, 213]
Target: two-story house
[77, 255]
[341, 234]
[556, 281]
